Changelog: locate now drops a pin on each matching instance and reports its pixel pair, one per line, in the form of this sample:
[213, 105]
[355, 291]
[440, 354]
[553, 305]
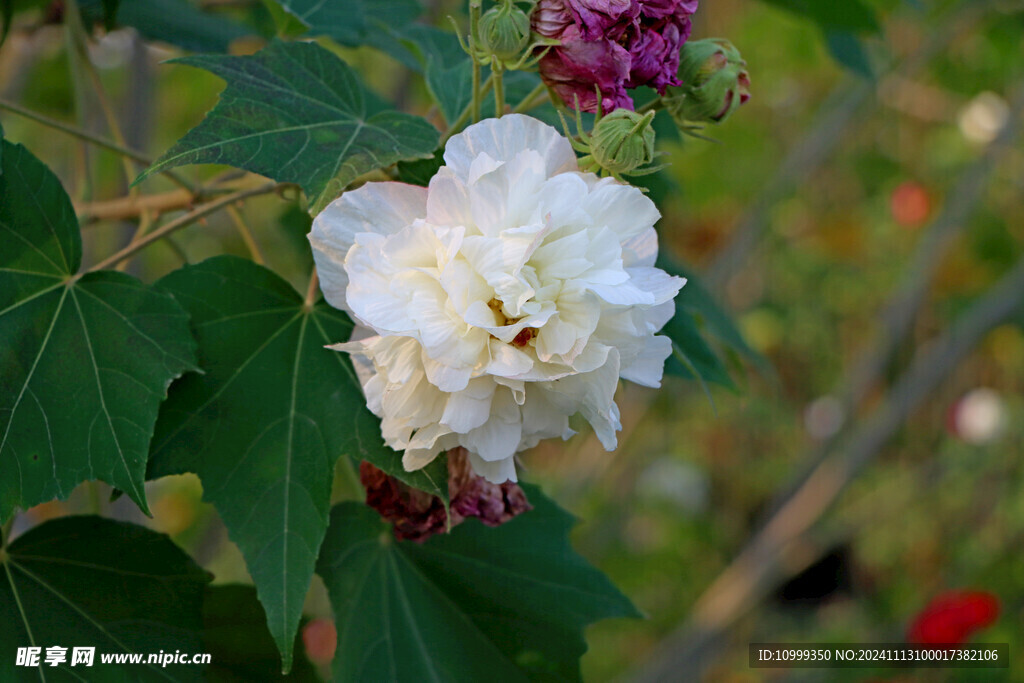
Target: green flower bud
[715, 82]
[623, 141]
[505, 31]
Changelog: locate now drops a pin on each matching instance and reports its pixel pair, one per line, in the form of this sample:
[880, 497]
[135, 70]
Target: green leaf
[241, 648]
[85, 363]
[110, 8]
[265, 424]
[713, 320]
[451, 87]
[180, 23]
[176, 22]
[352, 22]
[848, 15]
[296, 113]
[503, 604]
[847, 49]
[89, 581]
[692, 357]
[6, 14]
[286, 24]
[420, 172]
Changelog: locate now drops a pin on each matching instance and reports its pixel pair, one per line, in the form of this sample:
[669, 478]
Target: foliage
[509, 602]
[103, 338]
[218, 367]
[296, 113]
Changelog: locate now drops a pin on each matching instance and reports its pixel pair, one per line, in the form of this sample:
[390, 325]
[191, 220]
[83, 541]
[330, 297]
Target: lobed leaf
[353, 22]
[84, 363]
[296, 113]
[507, 603]
[265, 424]
[699, 315]
[89, 581]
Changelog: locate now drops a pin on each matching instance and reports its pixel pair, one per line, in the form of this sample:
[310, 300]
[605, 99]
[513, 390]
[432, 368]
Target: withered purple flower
[611, 46]
[417, 515]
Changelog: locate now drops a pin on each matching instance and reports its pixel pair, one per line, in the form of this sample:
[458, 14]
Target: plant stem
[145, 220]
[132, 154]
[311, 289]
[78, 42]
[183, 221]
[243, 230]
[653, 105]
[499, 90]
[464, 116]
[528, 102]
[474, 24]
[77, 132]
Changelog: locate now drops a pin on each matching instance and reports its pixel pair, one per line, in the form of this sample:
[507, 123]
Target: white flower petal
[510, 295]
[649, 365]
[507, 360]
[623, 208]
[662, 286]
[498, 438]
[504, 198]
[384, 208]
[496, 472]
[448, 200]
[502, 139]
[640, 250]
[471, 407]
[593, 395]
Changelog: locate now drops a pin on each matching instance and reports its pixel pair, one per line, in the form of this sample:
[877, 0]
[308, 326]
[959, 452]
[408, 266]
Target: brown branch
[130, 207]
[821, 141]
[181, 222]
[760, 565]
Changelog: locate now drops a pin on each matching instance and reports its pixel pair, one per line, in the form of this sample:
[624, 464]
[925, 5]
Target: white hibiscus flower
[512, 293]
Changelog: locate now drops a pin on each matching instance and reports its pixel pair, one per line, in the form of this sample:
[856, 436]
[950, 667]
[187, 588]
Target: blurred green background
[820, 200]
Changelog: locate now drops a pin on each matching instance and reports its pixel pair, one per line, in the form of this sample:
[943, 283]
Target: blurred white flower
[824, 417]
[512, 293]
[979, 416]
[984, 117]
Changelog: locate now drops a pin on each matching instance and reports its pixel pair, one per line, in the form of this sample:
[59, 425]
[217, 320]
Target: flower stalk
[474, 26]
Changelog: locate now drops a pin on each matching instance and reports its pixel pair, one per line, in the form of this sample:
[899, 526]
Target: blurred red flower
[320, 638]
[910, 204]
[952, 617]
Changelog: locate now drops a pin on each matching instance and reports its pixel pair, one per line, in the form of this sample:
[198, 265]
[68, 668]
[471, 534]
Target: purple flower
[416, 515]
[614, 45]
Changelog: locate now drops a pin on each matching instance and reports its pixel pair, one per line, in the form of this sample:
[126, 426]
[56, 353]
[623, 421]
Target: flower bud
[623, 141]
[715, 82]
[504, 31]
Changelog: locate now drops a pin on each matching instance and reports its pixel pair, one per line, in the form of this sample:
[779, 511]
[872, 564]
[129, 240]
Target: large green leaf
[177, 22]
[265, 424]
[180, 23]
[353, 22]
[502, 604]
[847, 15]
[699, 315]
[240, 646]
[296, 113]
[85, 363]
[847, 49]
[89, 581]
[691, 356]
